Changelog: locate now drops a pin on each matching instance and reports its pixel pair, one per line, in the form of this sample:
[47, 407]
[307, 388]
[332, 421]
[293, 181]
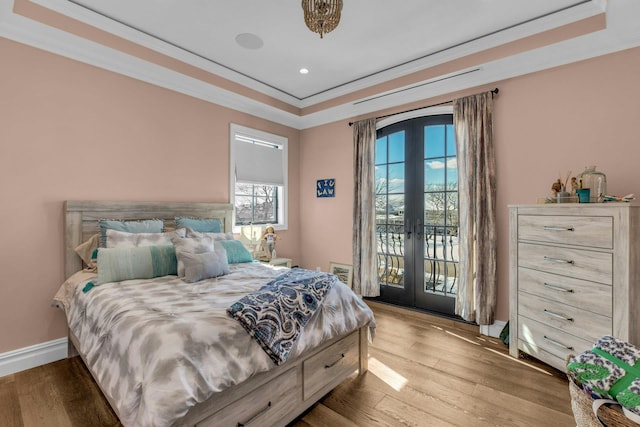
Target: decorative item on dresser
[573, 271]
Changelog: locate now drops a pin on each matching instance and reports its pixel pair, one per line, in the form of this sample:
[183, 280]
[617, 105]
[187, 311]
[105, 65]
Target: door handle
[419, 228]
[407, 229]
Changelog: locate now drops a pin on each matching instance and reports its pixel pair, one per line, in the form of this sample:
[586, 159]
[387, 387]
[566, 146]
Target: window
[258, 177]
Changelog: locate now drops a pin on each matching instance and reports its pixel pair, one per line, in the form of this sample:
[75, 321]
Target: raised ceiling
[373, 35]
[383, 53]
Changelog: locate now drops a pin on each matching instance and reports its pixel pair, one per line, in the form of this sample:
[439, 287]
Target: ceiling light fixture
[304, 71]
[322, 16]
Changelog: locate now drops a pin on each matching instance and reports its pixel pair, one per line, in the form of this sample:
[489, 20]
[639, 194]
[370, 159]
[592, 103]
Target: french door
[417, 213]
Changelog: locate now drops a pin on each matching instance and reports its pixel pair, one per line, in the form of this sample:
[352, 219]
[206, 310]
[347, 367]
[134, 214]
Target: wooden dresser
[574, 273]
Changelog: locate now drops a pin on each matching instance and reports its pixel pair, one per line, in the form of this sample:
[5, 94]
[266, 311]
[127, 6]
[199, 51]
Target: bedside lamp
[250, 237]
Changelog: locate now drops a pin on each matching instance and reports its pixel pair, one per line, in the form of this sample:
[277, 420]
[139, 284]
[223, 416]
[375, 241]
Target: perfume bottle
[595, 181]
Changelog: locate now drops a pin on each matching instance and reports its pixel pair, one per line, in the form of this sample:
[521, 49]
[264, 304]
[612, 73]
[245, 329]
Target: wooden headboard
[81, 219]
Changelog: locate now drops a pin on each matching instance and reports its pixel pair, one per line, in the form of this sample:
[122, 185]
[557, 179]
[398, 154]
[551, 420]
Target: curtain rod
[493, 92]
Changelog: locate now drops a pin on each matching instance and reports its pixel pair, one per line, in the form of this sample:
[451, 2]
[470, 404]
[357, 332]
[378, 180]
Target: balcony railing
[440, 257]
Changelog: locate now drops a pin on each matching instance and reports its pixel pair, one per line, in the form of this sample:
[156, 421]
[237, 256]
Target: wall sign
[326, 187]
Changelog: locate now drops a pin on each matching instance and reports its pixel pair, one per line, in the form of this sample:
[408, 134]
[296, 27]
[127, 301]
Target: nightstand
[281, 262]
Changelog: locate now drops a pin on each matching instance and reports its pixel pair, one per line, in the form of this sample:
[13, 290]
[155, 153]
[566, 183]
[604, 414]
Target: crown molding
[622, 32]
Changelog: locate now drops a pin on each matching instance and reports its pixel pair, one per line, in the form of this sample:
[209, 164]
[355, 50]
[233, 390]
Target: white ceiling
[376, 42]
[373, 35]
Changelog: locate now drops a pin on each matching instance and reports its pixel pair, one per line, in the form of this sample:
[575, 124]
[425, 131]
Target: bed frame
[273, 398]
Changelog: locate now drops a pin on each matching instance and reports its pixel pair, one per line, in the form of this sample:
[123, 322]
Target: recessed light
[249, 41]
[304, 71]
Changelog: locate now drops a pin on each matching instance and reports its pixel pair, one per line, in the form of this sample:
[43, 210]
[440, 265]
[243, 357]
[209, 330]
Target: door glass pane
[381, 179]
[389, 179]
[396, 147]
[451, 141]
[381, 150]
[396, 208]
[434, 174]
[441, 208]
[396, 178]
[452, 174]
[390, 240]
[434, 141]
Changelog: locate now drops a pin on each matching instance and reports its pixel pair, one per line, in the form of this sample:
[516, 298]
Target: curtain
[473, 123]
[365, 270]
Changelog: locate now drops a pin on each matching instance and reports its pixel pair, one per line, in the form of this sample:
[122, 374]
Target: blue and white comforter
[159, 346]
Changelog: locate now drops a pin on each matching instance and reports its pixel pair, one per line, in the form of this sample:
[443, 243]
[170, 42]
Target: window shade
[259, 164]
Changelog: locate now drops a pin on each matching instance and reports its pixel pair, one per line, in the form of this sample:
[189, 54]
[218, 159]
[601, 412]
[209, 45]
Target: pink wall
[546, 124]
[72, 131]
[326, 223]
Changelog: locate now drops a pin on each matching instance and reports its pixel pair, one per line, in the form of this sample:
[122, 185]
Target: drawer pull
[331, 365]
[557, 343]
[552, 228]
[557, 288]
[560, 260]
[252, 419]
[558, 315]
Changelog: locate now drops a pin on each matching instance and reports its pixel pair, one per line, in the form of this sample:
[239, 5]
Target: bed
[331, 347]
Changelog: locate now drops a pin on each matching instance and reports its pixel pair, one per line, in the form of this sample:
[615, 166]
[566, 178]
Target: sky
[439, 145]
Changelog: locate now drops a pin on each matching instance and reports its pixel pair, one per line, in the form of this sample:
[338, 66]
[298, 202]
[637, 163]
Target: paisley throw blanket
[611, 370]
[276, 313]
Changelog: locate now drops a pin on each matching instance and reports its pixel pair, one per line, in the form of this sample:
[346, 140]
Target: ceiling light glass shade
[322, 16]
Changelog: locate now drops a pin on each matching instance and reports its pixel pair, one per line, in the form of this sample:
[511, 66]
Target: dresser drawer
[592, 231]
[264, 406]
[331, 365]
[573, 320]
[589, 296]
[577, 263]
[536, 338]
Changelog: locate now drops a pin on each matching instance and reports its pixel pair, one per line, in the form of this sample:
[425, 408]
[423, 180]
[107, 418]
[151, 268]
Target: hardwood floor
[423, 371]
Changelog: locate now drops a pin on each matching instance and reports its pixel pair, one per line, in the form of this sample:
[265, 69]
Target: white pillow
[123, 239]
[205, 265]
[192, 245]
[215, 236]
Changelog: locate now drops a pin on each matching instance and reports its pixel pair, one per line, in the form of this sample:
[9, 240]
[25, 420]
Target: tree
[441, 201]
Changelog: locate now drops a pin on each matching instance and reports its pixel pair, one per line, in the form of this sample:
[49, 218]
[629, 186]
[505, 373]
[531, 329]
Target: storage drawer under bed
[264, 406]
[330, 366]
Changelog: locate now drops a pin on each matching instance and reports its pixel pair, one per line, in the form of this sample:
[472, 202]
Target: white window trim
[283, 206]
[427, 111]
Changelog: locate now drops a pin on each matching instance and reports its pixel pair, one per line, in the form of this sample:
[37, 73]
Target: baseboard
[32, 356]
[494, 329]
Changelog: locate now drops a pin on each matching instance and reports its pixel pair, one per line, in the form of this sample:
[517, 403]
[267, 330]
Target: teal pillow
[236, 252]
[117, 264]
[143, 226]
[202, 225]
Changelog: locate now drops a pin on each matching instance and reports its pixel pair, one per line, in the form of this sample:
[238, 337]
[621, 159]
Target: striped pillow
[117, 264]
